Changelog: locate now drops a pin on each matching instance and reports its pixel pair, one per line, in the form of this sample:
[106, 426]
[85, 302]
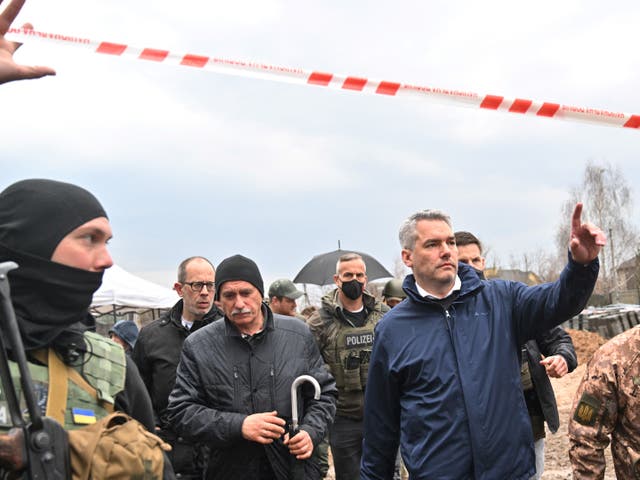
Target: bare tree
[492, 258]
[608, 204]
[544, 264]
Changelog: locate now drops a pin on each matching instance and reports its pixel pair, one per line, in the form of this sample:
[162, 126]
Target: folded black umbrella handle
[294, 398]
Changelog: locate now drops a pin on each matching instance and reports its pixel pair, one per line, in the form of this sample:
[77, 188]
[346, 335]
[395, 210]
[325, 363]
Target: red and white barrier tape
[340, 82]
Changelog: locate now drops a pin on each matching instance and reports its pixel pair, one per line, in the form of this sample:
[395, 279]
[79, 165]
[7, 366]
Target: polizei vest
[347, 354]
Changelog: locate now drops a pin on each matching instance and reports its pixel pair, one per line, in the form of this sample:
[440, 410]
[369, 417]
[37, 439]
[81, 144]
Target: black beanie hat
[238, 268]
[36, 214]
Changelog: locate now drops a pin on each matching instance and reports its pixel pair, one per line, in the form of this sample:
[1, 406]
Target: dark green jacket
[346, 348]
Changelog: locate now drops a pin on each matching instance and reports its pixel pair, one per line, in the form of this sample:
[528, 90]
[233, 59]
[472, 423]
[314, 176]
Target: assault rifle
[38, 445]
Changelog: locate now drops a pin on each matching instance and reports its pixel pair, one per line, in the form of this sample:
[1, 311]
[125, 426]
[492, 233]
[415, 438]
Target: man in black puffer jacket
[233, 385]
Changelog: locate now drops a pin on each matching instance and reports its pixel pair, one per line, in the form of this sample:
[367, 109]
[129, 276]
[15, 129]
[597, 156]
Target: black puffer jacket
[553, 342]
[222, 378]
[157, 353]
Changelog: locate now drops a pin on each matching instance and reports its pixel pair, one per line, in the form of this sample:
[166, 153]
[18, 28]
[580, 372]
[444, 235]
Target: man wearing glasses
[157, 353]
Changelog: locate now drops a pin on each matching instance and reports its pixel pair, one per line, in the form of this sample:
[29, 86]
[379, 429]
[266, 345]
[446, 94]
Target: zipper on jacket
[236, 389]
[272, 377]
[448, 321]
[251, 387]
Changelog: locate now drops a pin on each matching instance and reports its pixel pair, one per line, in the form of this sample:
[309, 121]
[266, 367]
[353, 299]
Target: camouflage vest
[347, 354]
[90, 387]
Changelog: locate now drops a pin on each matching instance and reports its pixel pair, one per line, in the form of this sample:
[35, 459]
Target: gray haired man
[343, 327]
[445, 365]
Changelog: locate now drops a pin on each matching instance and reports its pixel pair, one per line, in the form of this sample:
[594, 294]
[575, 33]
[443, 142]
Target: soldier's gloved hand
[555, 365]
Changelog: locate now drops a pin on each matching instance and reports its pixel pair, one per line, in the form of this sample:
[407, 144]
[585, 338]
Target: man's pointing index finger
[577, 214]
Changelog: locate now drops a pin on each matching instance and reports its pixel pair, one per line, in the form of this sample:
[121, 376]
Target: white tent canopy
[122, 288]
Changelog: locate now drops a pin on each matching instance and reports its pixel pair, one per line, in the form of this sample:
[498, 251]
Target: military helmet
[393, 289]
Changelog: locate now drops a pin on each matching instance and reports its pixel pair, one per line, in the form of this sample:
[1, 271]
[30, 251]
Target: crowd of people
[446, 376]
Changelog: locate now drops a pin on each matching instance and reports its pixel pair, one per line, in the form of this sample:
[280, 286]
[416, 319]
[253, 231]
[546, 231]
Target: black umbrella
[321, 268]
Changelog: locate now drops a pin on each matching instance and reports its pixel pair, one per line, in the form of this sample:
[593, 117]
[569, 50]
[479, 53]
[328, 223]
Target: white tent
[121, 288]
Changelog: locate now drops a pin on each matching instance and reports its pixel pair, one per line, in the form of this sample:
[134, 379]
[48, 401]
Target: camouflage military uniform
[607, 405]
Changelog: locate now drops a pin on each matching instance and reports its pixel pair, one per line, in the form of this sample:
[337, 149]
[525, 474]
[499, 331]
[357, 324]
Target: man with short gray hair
[408, 230]
[343, 327]
[444, 378]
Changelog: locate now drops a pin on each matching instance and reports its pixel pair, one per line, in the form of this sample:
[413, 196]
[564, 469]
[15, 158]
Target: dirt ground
[557, 465]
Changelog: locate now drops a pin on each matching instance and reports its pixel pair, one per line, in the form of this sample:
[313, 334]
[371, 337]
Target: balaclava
[49, 298]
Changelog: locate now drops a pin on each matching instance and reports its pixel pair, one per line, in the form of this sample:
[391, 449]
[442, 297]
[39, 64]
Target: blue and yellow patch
[83, 416]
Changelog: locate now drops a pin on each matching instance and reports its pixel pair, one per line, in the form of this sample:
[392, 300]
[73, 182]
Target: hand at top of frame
[9, 69]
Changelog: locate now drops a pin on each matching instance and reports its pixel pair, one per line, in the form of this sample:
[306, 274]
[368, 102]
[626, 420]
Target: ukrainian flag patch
[83, 416]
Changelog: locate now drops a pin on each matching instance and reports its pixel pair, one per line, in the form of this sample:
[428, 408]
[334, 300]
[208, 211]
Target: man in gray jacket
[234, 381]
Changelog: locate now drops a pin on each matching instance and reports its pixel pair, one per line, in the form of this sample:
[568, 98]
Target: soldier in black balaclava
[57, 233]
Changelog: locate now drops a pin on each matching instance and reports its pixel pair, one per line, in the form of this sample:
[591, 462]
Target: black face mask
[352, 289]
[49, 298]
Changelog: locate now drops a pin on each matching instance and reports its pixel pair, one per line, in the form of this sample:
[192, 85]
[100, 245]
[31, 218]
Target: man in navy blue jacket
[444, 378]
[559, 359]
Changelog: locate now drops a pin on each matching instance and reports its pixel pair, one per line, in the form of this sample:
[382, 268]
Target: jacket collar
[331, 301]
[175, 316]
[468, 276]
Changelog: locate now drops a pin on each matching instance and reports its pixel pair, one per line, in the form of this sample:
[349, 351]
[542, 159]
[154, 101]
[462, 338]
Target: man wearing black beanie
[57, 233]
[234, 380]
[238, 267]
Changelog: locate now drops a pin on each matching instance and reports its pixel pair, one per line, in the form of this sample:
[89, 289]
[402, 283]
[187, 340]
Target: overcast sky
[192, 162]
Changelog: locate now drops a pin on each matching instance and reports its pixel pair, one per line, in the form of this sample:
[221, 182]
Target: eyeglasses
[198, 286]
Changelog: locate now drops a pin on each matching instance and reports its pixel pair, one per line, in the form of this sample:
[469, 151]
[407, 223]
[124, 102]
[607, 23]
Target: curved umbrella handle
[294, 396]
